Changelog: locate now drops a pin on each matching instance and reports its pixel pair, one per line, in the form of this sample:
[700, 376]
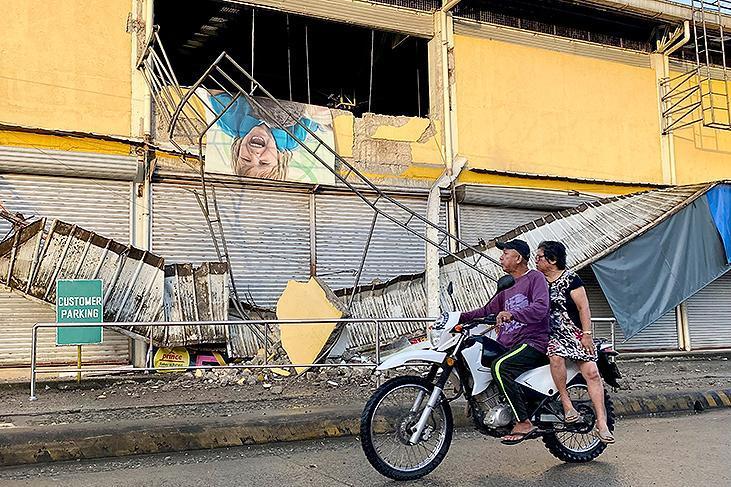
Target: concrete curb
[71, 442]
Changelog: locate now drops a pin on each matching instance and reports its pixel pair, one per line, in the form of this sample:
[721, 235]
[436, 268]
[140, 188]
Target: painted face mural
[256, 155]
[261, 140]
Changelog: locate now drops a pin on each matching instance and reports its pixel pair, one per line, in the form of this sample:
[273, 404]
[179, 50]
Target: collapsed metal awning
[591, 231]
[137, 285]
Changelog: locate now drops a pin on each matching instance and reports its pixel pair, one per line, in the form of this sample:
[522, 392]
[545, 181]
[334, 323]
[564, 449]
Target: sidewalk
[175, 412]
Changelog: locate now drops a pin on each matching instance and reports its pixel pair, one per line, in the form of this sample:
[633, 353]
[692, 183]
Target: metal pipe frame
[351, 169]
[377, 322]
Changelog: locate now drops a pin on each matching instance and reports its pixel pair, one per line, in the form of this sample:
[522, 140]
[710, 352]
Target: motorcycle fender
[540, 379]
[481, 376]
[419, 352]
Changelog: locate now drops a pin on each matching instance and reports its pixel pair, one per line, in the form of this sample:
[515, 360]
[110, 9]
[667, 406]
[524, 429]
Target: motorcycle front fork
[434, 398]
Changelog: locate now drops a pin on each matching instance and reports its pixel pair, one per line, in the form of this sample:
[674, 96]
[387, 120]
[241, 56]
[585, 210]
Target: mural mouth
[257, 142]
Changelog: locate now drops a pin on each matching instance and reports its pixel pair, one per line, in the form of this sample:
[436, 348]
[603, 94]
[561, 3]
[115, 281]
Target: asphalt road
[670, 451]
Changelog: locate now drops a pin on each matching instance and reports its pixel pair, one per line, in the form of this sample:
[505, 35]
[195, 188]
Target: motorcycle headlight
[435, 334]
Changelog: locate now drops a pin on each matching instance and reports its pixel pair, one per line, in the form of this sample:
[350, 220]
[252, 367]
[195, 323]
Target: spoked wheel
[386, 429]
[578, 443]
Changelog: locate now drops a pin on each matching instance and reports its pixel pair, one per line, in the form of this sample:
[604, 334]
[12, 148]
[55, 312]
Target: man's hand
[504, 317]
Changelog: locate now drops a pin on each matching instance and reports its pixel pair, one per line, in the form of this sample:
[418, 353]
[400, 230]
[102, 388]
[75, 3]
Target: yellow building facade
[510, 109]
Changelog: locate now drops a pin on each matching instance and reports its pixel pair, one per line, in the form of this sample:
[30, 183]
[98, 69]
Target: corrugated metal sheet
[134, 288]
[590, 231]
[547, 41]
[17, 317]
[523, 198]
[709, 315]
[196, 294]
[267, 232]
[132, 278]
[477, 222]
[91, 165]
[356, 12]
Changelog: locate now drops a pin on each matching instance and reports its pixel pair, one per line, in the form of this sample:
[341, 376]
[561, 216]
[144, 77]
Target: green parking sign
[79, 301]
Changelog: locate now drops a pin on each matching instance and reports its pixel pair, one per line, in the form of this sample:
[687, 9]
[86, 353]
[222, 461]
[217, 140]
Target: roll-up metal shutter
[343, 222]
[18, 314]
[355, 12]
[547, 41]
[19, 160]
[267, 232]
[547, 200]
[98, 205]
[661, 335]
[709, 315]
[487, 222]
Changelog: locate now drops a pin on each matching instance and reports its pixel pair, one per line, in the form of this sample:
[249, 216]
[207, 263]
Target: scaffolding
[701, 94]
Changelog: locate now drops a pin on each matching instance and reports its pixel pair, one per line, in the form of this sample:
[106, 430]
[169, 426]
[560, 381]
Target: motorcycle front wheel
[385, 429]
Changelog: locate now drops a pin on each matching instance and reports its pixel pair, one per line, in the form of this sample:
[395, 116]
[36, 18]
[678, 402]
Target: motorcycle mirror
[505, 282]
[450, 288]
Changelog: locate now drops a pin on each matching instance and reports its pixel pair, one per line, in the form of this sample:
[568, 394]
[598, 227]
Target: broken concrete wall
[390, 150]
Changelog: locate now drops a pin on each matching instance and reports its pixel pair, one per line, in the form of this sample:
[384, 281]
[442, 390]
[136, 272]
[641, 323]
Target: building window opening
[300, 58]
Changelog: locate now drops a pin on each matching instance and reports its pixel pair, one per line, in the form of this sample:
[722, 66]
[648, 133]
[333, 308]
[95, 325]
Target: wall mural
[247, 142]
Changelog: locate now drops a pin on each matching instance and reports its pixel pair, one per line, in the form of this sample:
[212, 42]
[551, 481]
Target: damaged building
[529, 108]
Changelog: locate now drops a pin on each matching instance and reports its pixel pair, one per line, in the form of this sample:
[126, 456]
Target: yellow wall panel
[531, 110]
[66, 65]
[702, 154]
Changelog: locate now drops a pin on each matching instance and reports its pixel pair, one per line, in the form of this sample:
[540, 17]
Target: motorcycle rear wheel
[385, 425]
[580, 446]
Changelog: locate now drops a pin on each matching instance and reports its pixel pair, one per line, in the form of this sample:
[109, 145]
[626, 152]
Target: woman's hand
[587, 342]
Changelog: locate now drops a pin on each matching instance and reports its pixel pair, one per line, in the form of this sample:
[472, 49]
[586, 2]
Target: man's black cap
[518, 245]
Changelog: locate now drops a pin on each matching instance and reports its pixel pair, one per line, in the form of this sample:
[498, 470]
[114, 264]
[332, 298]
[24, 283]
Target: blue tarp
[719, 202]
[652, 274]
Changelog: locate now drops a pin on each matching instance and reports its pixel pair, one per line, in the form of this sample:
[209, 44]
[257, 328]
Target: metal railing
[376, 322]
[612, 327]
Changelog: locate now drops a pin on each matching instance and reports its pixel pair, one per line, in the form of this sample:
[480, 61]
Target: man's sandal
[533, 433]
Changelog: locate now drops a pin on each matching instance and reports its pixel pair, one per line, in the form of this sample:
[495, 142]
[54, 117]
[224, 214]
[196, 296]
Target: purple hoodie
[529, 303]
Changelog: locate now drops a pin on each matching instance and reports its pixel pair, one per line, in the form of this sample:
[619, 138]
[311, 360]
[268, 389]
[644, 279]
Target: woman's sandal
[572, 416]
[605, 437]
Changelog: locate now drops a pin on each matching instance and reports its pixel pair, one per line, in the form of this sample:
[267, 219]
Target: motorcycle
[407, 425]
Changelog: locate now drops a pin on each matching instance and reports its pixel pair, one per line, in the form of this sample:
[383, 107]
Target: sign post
[79, 301]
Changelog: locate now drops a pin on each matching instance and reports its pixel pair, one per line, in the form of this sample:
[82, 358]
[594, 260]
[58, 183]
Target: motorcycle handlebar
[486, 320]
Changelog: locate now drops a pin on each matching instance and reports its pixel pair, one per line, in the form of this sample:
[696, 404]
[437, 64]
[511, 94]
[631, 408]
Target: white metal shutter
[267, 232]
[18, 316]
[487, 222]
[661, 335]
[547, 41]
[343, 222]
[89, 165]
[99, 205]
[709, 315]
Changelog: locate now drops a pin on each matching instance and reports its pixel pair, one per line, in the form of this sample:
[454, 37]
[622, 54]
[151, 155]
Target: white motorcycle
[407, 426]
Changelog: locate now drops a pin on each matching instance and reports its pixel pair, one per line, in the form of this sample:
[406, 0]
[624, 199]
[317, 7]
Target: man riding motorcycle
[523, 318]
